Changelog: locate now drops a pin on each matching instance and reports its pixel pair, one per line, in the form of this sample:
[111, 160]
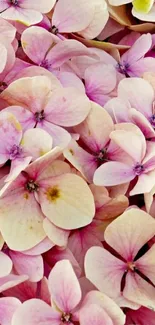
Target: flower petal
[64, 286]
[113, 173]
[104, 270]
[62, 203]
[129, 229]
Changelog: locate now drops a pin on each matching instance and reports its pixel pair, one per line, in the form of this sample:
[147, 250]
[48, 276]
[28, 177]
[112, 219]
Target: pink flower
[20, 150]
[65, 296]
[8, 279]
[88, 19]
[141, 165]
[123, 267]
[46, 107]
[8, 306]
[54, 52]
[46, 188]
[98, 309]
[135, 102]
[25, 11]
[95, 147]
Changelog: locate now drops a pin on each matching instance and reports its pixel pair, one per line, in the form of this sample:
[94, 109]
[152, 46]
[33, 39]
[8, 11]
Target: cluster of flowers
[77, 164]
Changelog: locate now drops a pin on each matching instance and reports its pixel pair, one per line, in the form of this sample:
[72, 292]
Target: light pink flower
[19, 148]
[8, 306]
[135, 102]
[54, 52]
[47, 109]
[86, 18]
[25, 11]
[120, 268]
[95, 147]
[43, 190]
[100, 81]
[65, 297]
[98, 309]
[142, 165]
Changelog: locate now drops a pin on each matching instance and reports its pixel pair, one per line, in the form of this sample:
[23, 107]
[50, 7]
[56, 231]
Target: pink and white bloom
[8, 306]
[65, 297]
[120, 269]
[25, 11]
[98, 309]
[141, 167]
[18, 148]
[135, 103]
[47, 109]
[95, 147]
[88, 19]
[54, 52]
[43, 190]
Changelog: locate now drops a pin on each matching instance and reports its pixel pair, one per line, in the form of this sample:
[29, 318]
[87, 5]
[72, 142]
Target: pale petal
[81, 160]
[10, 135]
[32, 38]
[100, 80]
[11, 281]
[3, 57]
[137, 50]
[26, 16]
[73, 16]
[17, 165]
[94, 315]
[64, 286]
[107, 304]
[113, 173]
[31, 93]
[92, 132]
[60, 136]
[36, 312]
[41, 248]
[145, 264]
[98, 22]
[8, 306]
[57, 235]
[41, 6]
[104, 270]
[29, 265]
[129, 229]
[21, 220]
[133, 144]
[144, 184]
[67, 107]
[6, 265]
[139, 93]
[142, 122]
[139, 291]
[62, 203]
[64, 51]
[36, 142]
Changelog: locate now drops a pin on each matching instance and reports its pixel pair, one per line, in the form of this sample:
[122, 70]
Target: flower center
[123, 68]
[45, 64]
[39, 116]
[138, 169]
[14, 2]
[15, 152]
[31, 186]
[66, 318]
[54, 30]
[152, 120]
[131, 266]
[101, 156]
[3, 86]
